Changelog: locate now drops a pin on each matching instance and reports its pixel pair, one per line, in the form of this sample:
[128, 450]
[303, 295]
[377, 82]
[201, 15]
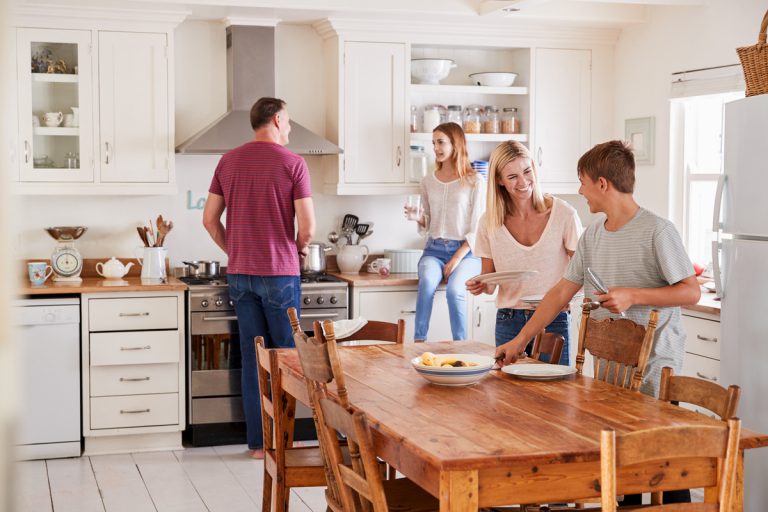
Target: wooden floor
[221, 478]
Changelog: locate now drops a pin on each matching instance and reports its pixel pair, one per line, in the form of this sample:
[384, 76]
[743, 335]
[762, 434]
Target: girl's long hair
[460, 157]
[499, 203]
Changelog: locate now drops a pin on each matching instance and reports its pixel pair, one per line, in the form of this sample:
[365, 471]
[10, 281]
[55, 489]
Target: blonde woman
[453, 201]
[523, 229]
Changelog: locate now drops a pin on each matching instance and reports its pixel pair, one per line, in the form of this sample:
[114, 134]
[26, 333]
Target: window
[698, 144]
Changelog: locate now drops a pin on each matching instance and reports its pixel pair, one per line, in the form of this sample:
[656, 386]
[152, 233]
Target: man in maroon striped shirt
[262, 186]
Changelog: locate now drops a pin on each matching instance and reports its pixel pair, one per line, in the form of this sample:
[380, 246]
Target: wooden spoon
[142, 235]
[163, 228]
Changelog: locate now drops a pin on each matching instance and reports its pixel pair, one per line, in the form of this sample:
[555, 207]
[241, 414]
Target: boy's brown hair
[612, 160]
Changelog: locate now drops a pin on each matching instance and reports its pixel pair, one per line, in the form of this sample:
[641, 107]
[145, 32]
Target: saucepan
[202, 268]
[314, 261]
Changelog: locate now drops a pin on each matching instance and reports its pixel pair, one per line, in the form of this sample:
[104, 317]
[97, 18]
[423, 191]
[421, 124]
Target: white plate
[539, 371]
[363, 343]
[500, 277]
[532, 299]
[345, 328]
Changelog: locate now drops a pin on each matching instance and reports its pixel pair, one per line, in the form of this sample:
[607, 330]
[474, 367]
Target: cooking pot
[314, 261]
[202, 268]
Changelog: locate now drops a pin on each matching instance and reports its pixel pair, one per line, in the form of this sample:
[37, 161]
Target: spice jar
[418, 164]
[454, 114]
[472, 116]
[432, 117]
[414, 119]
[510, 122]
[491, 120]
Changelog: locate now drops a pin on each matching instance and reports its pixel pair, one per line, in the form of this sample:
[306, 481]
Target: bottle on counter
[510, 122]
[491, 122]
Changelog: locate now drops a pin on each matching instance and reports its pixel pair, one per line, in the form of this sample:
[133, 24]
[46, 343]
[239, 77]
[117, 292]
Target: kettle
[351, 258]
[112, 269]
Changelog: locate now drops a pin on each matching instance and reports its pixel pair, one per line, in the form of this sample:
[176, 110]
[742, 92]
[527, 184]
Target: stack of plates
[481, 168]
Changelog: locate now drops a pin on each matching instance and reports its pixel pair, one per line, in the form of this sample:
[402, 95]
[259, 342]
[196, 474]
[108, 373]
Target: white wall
[674, 39]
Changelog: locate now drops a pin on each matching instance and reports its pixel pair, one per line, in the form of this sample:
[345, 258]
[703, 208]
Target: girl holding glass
[452, 201]
[523, 229]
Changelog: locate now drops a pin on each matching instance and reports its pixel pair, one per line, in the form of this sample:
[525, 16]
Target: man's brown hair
[264, 110]
[612, 160]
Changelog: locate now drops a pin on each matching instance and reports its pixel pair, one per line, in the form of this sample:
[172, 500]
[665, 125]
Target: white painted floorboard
[212, 479]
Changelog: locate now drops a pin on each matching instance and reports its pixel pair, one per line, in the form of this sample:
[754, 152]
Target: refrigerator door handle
[716, 224]
[716, 268]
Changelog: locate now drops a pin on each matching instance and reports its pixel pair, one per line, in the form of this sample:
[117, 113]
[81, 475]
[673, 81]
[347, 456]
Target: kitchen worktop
[708, 303]
[367, 279]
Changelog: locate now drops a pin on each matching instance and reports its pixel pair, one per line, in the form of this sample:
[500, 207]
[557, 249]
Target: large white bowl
[493, 79]
[455, 376]
[430, 71]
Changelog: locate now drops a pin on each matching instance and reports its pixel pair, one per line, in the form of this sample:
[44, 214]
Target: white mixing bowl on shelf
[431, 71]
[493, 79]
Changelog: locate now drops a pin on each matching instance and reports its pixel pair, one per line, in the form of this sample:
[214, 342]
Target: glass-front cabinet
[55, 105]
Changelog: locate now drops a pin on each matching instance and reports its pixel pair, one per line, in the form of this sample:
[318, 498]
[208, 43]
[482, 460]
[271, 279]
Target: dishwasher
[47, 332]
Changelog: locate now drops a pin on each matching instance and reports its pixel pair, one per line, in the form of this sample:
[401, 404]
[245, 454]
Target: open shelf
[55, 77]
[56, 131]
[469, 89]
[478, 137]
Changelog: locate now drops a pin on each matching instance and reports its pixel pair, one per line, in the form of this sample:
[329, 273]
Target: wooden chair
[549, 344]
[698, 445]
[620, 347]
[362, 483]
[374, 330]
[700, 392]
[285, 466]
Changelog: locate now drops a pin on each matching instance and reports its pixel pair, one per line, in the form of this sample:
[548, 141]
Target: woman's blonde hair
[499, 203]
[460, 156]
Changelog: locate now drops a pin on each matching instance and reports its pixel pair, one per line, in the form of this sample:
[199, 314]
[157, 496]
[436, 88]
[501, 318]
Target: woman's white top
[452, 210]
[548, 255]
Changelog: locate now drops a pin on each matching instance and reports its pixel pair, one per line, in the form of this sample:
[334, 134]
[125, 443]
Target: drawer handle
[713, 379]
[407, 312]
[704, 338]
[138, 411]
[138, 379]
[134, 314]
[145, 347]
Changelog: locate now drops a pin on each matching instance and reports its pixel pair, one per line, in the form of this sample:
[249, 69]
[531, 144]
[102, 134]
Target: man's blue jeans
[436, 254]
[509, 323]
[260, 304]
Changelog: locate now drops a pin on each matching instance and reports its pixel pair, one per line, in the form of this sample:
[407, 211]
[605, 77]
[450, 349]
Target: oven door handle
[319, 315]
[215, 318]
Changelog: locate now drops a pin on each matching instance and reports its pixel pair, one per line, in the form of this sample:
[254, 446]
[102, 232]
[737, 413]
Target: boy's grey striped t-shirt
[647, 252]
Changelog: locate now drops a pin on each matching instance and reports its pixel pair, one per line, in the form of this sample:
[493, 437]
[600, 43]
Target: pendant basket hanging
[754, 60]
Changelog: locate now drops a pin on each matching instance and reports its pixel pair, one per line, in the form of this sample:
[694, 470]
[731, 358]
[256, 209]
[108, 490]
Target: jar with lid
[472, 116]
[510, 121]
[454, 114]
[418, 164]
[414, 119]
[432, 117]
[491, 120]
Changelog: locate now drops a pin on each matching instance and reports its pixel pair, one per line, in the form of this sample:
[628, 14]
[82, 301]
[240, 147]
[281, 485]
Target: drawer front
[134, 411]
[137, 379]
[133, 314]
[700, 367]
[703, 337]
[119, 348]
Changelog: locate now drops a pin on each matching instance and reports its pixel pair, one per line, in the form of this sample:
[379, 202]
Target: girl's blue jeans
[436, 254]
[509, 323]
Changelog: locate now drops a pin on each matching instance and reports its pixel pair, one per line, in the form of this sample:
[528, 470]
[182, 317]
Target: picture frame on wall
[639, 132]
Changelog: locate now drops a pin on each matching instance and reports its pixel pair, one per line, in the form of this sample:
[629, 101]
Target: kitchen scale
[66, 261]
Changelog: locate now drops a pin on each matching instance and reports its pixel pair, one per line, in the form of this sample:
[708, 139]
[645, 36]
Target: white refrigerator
[740, 259]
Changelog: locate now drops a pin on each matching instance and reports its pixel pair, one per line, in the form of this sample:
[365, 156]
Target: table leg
[458, 491]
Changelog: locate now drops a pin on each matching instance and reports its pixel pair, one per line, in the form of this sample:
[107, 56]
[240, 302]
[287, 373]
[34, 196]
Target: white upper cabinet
[562, 108]
[134, 112]
[374, 113]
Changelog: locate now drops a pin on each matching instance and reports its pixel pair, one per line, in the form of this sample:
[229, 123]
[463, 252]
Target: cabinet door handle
[704, 338]
[708, 377]
[407, 312]
[26, 151]
[146, 313]
[145, 347]
[137, 411]
[479, 316]
[138, 379]
[540, 157]
[106, 153]
[399, 155]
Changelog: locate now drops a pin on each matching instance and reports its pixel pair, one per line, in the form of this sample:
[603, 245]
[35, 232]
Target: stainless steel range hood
[250, 76]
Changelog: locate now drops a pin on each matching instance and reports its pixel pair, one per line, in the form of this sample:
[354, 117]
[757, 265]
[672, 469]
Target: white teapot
[351, 258]
[112, 269]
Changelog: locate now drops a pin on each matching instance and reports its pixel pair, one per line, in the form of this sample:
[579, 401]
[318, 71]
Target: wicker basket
[754, 60]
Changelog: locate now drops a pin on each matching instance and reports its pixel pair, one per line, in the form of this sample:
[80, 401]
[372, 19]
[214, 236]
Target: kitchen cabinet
[133, 371]
[702, 350]
[115, 131]
[483, 318]
[562, 116]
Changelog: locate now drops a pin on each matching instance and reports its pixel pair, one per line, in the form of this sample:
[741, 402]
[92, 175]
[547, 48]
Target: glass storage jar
[418, 164]
[510, 122]
[454, 114]
[472, 116]
[432, 117]
[491, 120]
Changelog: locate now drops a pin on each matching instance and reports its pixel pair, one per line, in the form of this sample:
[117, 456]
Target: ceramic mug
[69, 120]
[53, 118]
[382, 266]
[38, 271]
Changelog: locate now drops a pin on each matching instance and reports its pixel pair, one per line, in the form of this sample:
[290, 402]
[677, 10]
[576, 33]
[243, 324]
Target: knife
[599, 285]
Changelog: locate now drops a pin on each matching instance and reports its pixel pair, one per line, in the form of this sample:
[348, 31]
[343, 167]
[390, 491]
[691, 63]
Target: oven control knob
[321, 300]
[334, 300]
[219, 302]
[231, 303]
[307, 300]
[204, 303]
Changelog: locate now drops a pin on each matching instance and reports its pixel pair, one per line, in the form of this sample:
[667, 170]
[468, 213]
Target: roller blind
[700, 82]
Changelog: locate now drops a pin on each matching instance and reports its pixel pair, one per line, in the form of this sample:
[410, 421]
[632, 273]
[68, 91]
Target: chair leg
[282, 495]
[266, 503]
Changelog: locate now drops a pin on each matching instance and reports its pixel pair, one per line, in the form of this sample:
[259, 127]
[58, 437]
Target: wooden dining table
[503, 440]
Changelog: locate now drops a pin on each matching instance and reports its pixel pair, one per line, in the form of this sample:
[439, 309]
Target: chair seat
[405, 496]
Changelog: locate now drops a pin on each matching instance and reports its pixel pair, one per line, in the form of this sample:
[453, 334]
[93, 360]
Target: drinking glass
[413, 207]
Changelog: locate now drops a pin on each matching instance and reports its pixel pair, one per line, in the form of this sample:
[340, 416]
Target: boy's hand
[617, 300]
[509, 352]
